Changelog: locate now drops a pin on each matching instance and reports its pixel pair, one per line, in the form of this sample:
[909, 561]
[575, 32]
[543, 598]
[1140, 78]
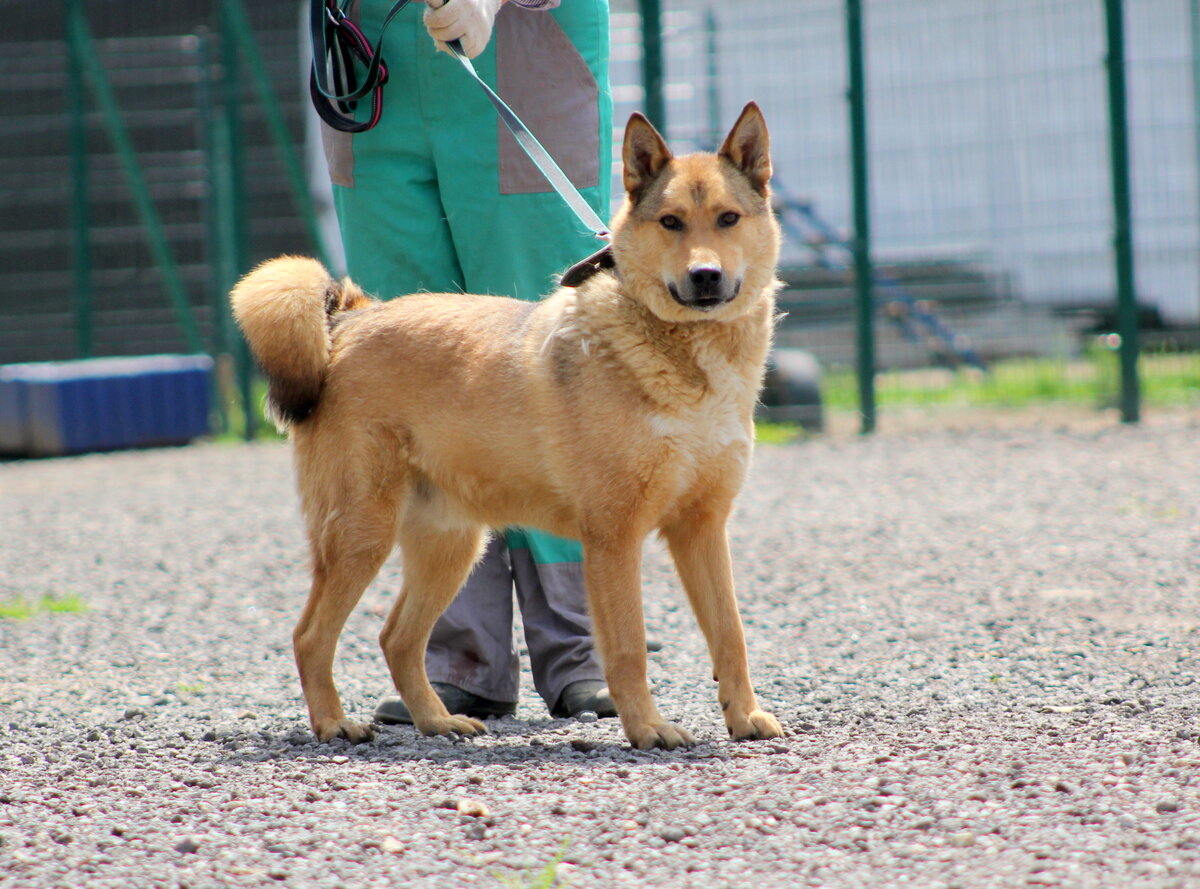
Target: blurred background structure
[154, 154]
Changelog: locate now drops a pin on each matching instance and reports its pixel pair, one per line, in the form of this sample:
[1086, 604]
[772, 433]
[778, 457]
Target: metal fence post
[84, 49]
[234, 203]
[1194, 50]
[81, 253]
[1127, 320]
[652, 63]
[860, 178]
[219, 277]
[239, 30]
[713, 73]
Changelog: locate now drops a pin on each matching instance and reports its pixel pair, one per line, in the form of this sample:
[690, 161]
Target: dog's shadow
[508, 742]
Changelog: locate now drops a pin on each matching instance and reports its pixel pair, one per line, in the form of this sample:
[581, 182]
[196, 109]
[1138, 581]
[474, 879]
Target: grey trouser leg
[558, 630]
[471, 646]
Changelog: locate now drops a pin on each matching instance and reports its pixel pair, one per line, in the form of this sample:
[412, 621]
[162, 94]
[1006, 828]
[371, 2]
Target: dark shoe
[583, 695]
[391, 709]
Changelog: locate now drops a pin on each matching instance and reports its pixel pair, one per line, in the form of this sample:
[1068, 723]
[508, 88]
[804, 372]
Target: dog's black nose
[705, 279]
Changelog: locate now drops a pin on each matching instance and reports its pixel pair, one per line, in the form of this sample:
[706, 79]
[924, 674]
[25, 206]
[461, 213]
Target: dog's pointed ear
[644, 155]
[748, 147]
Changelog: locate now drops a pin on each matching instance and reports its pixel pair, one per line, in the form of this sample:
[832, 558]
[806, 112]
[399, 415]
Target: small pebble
[472, 807]
[391, 844]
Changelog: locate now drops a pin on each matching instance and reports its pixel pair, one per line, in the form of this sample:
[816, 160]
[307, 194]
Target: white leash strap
[536, 152]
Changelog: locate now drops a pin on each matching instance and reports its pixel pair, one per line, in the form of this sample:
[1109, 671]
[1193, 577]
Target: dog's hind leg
[436, 564]
[700, 548]
[348, 549]
[612, 572]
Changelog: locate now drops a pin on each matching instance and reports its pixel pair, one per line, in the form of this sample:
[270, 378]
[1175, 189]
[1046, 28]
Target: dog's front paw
[444, 725]
[756, 725]
[648, 735]
[354, 732]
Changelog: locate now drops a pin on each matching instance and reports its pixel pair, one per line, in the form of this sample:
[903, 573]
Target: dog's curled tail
[285, 308]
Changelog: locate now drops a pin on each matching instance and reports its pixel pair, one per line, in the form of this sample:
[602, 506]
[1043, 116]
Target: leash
[536, 151]
[337, 41]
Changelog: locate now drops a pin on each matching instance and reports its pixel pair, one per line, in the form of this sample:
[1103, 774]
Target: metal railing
[129, 169]
[1000, 149]
[1013, 182]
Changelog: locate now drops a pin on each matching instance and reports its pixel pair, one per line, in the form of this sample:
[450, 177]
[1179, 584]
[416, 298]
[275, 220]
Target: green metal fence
[1002, 224]
[149, 160]
[160, 156]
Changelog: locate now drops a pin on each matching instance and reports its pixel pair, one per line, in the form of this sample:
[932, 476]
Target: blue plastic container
[104, 404]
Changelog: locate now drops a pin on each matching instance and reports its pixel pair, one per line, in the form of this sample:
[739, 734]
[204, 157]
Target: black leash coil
[333, 81]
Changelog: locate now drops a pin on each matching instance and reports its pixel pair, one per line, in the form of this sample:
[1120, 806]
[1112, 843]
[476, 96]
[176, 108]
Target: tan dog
[603, 413]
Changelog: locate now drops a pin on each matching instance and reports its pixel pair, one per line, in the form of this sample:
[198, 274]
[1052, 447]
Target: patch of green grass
[20, 608]
[1170, 379]
[264, 429]
[1166, 379]
[16, 609]
[546, 878]
[69, 604]
[775, 433]
[190, 688]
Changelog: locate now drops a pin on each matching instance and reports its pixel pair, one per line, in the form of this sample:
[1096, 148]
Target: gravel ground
[982, 643]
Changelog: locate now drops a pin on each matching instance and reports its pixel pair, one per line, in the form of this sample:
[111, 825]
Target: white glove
[468, 21]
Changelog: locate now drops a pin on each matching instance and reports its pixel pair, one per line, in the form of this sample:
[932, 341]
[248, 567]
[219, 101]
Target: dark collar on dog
[599, 261]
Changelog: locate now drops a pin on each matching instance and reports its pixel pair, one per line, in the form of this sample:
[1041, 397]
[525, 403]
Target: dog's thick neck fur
[627, 333]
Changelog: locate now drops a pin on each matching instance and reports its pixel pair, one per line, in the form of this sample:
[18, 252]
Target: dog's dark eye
[727, 219]
[671, 223]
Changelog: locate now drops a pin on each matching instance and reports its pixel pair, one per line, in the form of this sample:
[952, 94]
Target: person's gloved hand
[468, 21]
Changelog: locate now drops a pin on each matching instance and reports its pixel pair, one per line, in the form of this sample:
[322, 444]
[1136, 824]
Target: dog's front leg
[612, 572]
[700, 548]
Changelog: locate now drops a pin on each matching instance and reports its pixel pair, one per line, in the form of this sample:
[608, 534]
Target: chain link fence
[990, 183]
[992, 216]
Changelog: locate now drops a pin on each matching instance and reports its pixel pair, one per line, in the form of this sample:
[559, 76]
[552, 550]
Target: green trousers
[439, 197]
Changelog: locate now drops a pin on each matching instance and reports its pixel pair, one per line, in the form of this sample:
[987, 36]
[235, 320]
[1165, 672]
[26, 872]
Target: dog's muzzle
[705, 288]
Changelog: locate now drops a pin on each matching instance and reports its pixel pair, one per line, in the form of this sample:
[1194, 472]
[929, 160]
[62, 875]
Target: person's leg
[513, 233]
[548, 572]
[385, 191]
[397, 241]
